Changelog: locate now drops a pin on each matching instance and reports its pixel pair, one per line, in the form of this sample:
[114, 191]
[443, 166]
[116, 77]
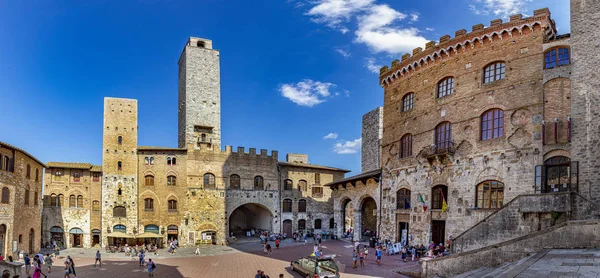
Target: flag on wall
[423, 202]
[444, 204]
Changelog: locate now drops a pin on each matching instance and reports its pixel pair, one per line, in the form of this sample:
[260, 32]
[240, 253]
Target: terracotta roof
[314, 166]
[157, 148]
[376, 174]
[23, 151]
[96, 168]
[72, 165]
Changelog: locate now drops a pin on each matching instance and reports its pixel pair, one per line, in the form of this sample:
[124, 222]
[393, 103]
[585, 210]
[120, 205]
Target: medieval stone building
[197, 192]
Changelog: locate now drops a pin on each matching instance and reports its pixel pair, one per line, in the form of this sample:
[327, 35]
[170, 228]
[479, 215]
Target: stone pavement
[552, 263]
[241, 261]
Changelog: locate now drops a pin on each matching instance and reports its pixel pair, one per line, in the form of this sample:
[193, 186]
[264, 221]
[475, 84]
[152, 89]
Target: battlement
[240, 151]
[449, 46]
[200, 43]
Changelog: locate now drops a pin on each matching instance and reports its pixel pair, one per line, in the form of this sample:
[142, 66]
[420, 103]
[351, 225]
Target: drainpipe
[569, 128]
[555, 130]
[380, 204]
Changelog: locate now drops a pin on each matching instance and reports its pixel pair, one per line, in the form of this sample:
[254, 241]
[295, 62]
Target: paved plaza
[238, 260]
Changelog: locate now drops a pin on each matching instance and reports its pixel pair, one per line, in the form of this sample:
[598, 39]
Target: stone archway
[367, 227]
[347, 215]
[248, 217]
[2, 238]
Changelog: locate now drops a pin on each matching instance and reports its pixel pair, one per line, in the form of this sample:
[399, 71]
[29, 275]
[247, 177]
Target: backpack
[153, 265]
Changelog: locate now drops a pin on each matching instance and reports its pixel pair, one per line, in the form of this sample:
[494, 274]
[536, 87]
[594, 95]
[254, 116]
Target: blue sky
[292, 72]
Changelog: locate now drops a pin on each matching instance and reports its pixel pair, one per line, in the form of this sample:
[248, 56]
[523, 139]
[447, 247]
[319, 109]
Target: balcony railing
[440, 149]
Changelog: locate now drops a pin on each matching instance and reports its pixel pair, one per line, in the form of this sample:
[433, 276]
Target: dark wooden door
[287, 227]
[438, 231]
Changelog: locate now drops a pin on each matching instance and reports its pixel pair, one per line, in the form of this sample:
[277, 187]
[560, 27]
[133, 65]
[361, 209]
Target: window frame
[288, 184]
[491, 124]
[408, 102]
[436, 197]
[443, 135]
[72, 201]
[119, 166]
[76, 176]
[79, 202]
[172, 205]
[286, 205]
[406, 145]
[319, 222]
[120, 140]
[553, 57]
[259, 183]
[316, 194]
[302, 208]
[235, 182]
[480, 194]
[405, 193]
[445, 87]
[148, 204]
[28, 174]
[494, 71]
[209, 181]
[27, 193]
[171, 180]
[95, 205]
[148, 180]
[302, 185]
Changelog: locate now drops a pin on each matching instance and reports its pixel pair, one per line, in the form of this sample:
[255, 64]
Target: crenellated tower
[199, 95]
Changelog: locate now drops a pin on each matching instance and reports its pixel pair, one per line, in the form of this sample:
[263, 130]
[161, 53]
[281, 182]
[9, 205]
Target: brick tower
[119, 167]
[199, 95]
[586, 95]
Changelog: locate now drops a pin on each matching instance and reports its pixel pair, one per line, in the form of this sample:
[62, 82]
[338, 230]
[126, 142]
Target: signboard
[172, 232]
[404, 236]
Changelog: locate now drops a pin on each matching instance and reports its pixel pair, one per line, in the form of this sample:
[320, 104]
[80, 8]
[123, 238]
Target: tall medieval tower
[119, 167]
[199, 95]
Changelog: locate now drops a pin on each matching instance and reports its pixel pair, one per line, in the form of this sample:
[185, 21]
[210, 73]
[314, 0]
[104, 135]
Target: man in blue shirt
[27, 264]
[378, 254]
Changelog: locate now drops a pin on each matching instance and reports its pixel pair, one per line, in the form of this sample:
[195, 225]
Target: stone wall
[585, 86]
[372, 130]
[571, 234]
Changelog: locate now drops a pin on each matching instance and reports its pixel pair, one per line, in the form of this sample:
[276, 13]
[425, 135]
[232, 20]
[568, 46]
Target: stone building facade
[472, 122]
[20, 200]
[197, 192]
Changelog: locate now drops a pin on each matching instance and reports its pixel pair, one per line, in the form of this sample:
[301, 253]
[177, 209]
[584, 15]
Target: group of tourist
[261, 274]
[38, 262]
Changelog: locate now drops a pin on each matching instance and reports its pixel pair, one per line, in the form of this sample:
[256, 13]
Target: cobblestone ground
[237, 260]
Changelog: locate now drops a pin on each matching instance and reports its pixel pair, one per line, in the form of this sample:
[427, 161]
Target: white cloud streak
[371, 66]
[334, 13]
[307, 92]
[502, 8]
[342, 52]
[331, 135]
[347, 147]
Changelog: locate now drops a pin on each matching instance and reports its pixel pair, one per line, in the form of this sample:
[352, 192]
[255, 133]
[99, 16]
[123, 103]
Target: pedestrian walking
[366, 250]
[269, 251]
[413, 252]
[72, 266]
[354, 258]
[151, 267]
[361, 256]
[98, 258]
[404, 253]
[49, 262]
[197, 252]
[27, 261]
[378, 255]
[277, 243]
[67, 269]
[37, 272]
[142, 261]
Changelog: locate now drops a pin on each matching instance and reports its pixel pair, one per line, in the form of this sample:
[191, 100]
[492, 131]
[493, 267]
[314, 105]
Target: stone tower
[119, 166]
[199, 95]
[372, 132]
[585, 84]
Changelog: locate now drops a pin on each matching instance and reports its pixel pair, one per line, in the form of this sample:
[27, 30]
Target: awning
[76, 231]
[148, 235]
[119, 235]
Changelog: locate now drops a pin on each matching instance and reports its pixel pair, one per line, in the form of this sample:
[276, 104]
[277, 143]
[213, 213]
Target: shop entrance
[95, 237]
[58, 236]
[438, 231]
[173, 232]
[402, 232]
[76, 237]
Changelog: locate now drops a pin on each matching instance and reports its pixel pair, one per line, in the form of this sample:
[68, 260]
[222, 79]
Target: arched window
[172, 205]
[35, 197]
[234, 181]
[119, 191]
[95, 206]
[439, 194]
[317, 223]
[80, 201]
[120, 140]
[76, 177]
[168, 161]
[61, 200]
[174, 161]
[147, 160]
[287, 205]
[119, 166]
[557, 57]
[151, 160]
[287, 184]
[148, 204]
[72, 201]
[302, 225]
[259, 183]
[493, 72]
[403, 199]
[490, 194]
[302, 205]
[408, 102]
[302, 185]
[53, 200]
[445, 87]
[443, 135]
[492, 124]
[20, 238]
[28, 175]
[149, 180]
[406, 146]
[209, 181]
[26, 201]
[120, 228]
[172, 180]
[37, 174]
[317, 191]
[119, 211]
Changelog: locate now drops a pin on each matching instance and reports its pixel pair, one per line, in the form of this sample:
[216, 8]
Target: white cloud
[342, 52]
[376, 24]
[414, 16]
[307, 92]
[331, 135]
[347, 147]
[371, 66]
[502, 8]
[335, 12]
[429, 29]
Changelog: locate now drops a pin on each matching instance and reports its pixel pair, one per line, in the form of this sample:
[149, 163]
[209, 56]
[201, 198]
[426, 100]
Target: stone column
[357, 224]
[337, 219]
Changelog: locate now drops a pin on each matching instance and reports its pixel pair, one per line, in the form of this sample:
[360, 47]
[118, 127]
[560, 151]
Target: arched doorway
[76, 235]
[368, 217]
[558, 174]
[250, 219]
[31, 240]
[58, 236]
[347, 216]
[2, 238]
[95, 237]
[287, 227]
